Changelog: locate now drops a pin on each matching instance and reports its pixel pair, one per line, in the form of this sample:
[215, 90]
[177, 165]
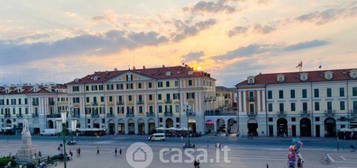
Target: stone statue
[26, 152]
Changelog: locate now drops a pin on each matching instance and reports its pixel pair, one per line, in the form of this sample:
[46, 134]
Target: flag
[299, 65]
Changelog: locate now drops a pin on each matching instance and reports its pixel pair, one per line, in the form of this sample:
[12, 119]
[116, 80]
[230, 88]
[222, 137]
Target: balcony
[150, 114]
[130, 115]
[329, 113]
[110, 115]
[281, 114]
[168, 101]
[53, 116]
[191, 114]
[95, 115]
[252, 115]
[305, 113]
[120, 103]
[251, 99]
[168, 114]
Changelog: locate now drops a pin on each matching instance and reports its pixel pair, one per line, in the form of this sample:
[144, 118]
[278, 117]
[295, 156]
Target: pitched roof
[28, 89]
[155, 73]
[294, 77]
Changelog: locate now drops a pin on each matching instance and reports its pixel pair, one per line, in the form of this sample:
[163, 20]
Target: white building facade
[311, 103]
[38, 104]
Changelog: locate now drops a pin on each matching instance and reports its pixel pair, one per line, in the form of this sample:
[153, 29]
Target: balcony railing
[53, 116]
[130, 115]
[168, 101]
[219, 113]
[150, 114]
[329, 112]
[140, 102]
[110, 115]
[168, 114]
[281, 114]
[95, 115]
[191, 114]
[251, 115]
[305, 113]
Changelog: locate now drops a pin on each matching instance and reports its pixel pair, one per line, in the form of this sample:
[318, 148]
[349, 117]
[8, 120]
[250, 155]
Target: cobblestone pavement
[241, 155]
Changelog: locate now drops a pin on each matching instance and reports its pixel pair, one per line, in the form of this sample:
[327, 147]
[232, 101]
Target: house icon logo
[139, 155]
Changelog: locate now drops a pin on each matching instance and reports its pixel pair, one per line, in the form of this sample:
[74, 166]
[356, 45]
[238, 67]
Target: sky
[57, 41]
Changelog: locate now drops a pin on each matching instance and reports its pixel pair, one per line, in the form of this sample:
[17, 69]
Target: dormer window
[251, 80]
[353, 73]
[168, 73]
[304, 76]
[328, 75]
[280, 78]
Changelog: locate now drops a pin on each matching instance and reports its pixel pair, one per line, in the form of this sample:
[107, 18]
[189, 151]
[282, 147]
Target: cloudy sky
[57, 41]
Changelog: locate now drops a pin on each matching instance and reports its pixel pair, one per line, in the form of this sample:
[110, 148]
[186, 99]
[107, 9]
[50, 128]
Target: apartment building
[137, 101]
[39, 104]
[309, 103]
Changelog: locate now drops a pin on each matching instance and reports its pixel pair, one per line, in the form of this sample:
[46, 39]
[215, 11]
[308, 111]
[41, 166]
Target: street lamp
[64, 120]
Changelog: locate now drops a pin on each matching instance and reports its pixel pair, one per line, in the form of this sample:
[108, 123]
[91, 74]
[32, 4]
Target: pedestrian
[97, 150]
[79, 152]
[59, 148]
[39, 154]
[116, 151]
[120, 151]
[71, 154]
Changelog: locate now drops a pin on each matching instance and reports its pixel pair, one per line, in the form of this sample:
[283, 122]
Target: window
[159, 84]
[75, 88]
[270, 94]
[129, 86]
[270, 107]
[281, 94]
[120, 86]
[342, 105]
[150, 97]
[251, 108]
[281, 107]
[167, 83]
[130, 98]
[102, 98]
[140, 85]
[176, 83]
[354, 91]
[150, 84]
[329, 92]
[176, 96]
[110, 87]
[354, 106]
[160, 108]
[140, 109]
[317, 118]
[75, 100]
[94, 87]
[87, 99]
[270, 119]
[304, 93]
[87, 88]
[317, 106]
[110, 98]
[316, 93]
[292, 93]
[329, 105]
[159, 97]
[190, 82]
[190, 95]
[293, 119]
[101, 87]
[342, 92]
[293, 106]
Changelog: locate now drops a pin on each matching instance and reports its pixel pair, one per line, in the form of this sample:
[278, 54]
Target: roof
[155, 73]
[28, 89]
[294, 77]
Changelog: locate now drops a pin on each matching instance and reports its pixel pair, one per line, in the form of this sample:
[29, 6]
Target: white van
[157, 137]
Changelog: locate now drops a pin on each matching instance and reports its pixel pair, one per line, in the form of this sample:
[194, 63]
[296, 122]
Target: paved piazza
[245, 153]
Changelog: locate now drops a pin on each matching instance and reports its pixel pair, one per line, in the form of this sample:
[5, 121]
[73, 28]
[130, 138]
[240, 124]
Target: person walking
[120, 151]
[71, 154]
[79, 152]
[116, 151]
[98, 151]
[196, 163]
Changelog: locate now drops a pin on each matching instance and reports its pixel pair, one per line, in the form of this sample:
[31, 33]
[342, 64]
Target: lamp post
[187, 109]
[64, 120]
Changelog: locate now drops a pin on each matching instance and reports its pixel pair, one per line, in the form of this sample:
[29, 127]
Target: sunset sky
[57, 40]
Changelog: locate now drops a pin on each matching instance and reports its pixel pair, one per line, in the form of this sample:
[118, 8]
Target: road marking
[343, 158]
[330, 158]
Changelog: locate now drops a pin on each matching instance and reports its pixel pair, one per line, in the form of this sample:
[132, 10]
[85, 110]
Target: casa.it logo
[139, 155]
